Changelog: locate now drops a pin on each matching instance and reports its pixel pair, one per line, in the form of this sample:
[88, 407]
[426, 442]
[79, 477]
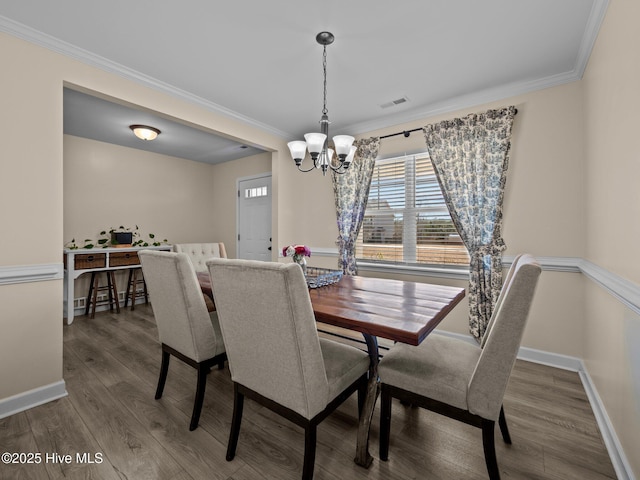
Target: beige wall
[224, 184]
[31, 207]
[543, 208]
[611, 104]
[108, 185]
[571, 178]
[31, 193]
[180, 200]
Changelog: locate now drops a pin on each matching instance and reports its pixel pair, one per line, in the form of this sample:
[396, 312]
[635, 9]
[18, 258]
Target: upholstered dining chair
[199, 253]
[185, 327]
[461, 380]
[275, 355]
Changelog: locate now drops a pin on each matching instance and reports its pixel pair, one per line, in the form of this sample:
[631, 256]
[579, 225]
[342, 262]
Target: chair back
[199, 253]
[270, 332]
[178, 305]
[503, 291]
[491, 375]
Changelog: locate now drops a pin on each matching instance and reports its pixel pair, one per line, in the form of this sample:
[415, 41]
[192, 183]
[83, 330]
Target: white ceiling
[258, 60]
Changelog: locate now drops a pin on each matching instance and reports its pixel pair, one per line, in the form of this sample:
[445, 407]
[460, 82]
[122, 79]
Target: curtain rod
[406, 133]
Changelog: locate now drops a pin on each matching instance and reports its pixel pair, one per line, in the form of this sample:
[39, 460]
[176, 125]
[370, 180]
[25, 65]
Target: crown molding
[596, 17]
[462, 102]
[500, 92]
[64, 48]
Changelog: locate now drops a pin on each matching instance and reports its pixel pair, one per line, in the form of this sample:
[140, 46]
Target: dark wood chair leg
[310, 433]
[502, 421]
[238, 403]
[164, 369]
[144, 289]
[385, 422]
[488, 443]
[203, 370]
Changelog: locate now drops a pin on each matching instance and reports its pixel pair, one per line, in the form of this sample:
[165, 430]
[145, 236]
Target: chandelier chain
[324, 69]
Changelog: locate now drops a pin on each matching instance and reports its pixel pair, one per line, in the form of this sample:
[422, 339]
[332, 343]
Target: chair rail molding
[31, 273]
[624, 290]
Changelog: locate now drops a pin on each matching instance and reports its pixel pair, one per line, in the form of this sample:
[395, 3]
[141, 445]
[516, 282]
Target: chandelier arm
[340, 169]
[305, 171]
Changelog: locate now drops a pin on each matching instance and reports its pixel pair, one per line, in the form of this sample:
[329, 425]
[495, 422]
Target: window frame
[410, 241]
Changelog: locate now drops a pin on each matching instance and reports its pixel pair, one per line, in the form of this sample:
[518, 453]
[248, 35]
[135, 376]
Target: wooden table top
[398, 310]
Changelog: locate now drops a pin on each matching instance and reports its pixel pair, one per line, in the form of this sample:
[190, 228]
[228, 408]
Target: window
[255, 192]
[407, 220]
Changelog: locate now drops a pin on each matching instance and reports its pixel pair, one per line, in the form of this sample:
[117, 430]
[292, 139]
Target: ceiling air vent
[393, 103]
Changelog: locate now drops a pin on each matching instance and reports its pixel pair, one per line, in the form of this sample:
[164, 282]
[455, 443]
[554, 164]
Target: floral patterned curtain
[351, 190]
[470, 157]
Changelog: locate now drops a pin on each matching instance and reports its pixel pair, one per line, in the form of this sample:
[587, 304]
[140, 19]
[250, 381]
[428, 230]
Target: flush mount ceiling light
[317, 143]
[145, 132]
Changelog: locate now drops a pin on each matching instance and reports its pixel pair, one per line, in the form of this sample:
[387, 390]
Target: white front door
[254, 218]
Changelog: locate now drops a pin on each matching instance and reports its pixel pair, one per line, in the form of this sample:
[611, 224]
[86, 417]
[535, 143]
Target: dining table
[398, 310]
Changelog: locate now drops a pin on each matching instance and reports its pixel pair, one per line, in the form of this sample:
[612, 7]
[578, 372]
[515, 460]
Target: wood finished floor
[111, 365]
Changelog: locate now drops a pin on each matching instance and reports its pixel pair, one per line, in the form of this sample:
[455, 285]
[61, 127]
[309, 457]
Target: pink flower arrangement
[296, 251]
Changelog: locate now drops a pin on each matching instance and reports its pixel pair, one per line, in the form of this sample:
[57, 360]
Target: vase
[300, 260]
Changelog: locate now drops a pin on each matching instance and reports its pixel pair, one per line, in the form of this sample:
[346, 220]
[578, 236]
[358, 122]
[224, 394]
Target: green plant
[105, 239]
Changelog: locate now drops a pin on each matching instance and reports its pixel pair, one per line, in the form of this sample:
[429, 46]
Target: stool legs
[94, 288]
[132, 288]
[87, 303]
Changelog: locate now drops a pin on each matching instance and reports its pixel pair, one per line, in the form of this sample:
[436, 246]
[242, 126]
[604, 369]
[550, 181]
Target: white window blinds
[406, 220]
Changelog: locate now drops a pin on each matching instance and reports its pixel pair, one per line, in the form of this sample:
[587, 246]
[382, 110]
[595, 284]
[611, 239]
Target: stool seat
[94, 288]
[136, 278]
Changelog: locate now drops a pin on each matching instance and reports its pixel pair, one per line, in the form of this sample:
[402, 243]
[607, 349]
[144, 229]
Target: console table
[79, 261]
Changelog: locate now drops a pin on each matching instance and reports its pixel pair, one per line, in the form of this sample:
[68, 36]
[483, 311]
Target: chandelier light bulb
[343, 145]
[349, 159]
[315, 143]
[298, 150]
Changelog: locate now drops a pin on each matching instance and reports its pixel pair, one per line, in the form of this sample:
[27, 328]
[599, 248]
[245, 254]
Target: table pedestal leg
[363, 458]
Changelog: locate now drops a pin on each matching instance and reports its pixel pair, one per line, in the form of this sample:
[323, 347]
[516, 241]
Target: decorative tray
[320, 277]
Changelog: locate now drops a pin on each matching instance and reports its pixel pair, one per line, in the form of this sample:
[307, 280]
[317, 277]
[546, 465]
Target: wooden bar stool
[135, 278]
[94, 287]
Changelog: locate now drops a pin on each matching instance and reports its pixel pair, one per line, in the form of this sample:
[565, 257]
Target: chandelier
[317, 143]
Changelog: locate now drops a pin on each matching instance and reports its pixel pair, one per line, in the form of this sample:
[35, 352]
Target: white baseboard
[574, 364]
[616, 452]
[32, 398]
